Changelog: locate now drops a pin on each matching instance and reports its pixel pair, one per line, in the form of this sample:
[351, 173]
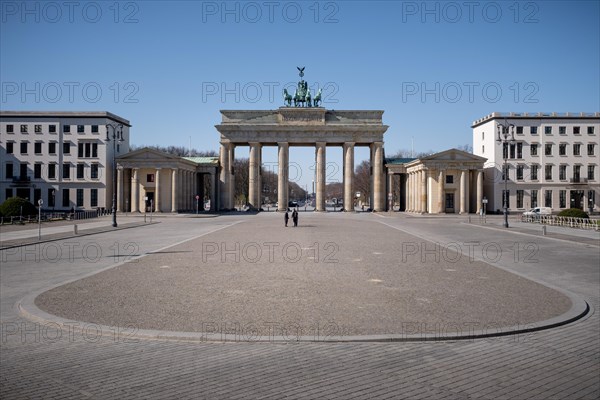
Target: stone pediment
[146, 154]
[453, 155]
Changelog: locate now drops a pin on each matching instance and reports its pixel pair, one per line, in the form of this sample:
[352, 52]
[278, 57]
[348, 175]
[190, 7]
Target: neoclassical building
[150, 179]
[447, 182]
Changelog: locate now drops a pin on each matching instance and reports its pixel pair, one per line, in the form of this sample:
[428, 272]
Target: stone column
[135, 190]
[174, 190]
[349, 176]
[253, 177]
[321, 162]
[390, 191]
[408, 192]
[157, 191]
[213, 192]
[424, 191]
[417, 197]
[282, 178]
[463, 190]
[479, 189]
[119, 189]
[378, 178]
[441, 197]
[224, 177]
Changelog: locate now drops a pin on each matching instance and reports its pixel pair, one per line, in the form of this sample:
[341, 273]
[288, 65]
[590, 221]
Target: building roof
[536, 115]
[66, 114]
[398, 161]
[203, 160]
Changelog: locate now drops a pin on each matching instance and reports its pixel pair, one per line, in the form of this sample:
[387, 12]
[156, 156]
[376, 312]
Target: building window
[94, 171]
[519, 198]
[9, 171]
[505, 172]
[577, 130]
[520, 172]
[80, 128]
[534, 198]
[591, 170]
[533, 130]
[95, 150]
[8, 193]
[66, 148]
[576, 149]
[548, 130]
[52, 148]
[65, 198]
[590, 149]
[548, 149]
[562, 130]
[10, 129]
[37, 128]
[482, 149]
[519, 150]
[66, 128]
[10, 147]
[562, 149]
[51, 171]
[533, 147]
[504, 151]
[23, 128]
[549, 172]
[37, 147]
[449, 179]
[80, 170]
[562, 199]
[591, 198]
[88, 152]
[79, 197]
[519, 130]
[94, 128]
[482, 135]
[37, 195]
[37, 171]
[534, 172]
[80, 150]
[93, 197]
[66, 171]
[548, 198]
[590, 130]
[52, 128]
[23, 172]
[51, 194]
[562, 172]
[577, 173]
[512, 151]
[24, 147]
[149, 177]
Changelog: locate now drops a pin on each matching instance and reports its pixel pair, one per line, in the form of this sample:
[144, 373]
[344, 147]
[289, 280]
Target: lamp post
[117, 135]
[506, 136]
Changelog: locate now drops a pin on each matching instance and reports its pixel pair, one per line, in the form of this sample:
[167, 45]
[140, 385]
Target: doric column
[321, 161]
[213, 192]
[441, 199]
[408, 191]
[174, 190]
[119, 189]
[224, 176]
[423, 191]
[378, 178]
[157, 191]
[282, 177]
[135, 190]
[463, 190]
[390, 191]
[479, 189]
[253, 176]
[417, 185]
[349, 176]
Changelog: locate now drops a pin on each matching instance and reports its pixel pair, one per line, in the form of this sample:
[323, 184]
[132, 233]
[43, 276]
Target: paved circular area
[332, 274]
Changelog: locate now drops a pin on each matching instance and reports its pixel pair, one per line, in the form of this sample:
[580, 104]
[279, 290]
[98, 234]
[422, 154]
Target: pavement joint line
[71, 236]
[530, 234]
[579, 309]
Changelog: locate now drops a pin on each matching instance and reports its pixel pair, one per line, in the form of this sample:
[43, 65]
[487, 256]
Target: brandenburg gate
[301, 126]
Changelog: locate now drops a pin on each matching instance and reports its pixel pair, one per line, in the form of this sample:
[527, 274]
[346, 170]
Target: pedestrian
[286, 218]
[295, 217]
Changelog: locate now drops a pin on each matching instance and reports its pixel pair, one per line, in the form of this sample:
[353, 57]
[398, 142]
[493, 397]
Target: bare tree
[362, 180]
[180, 151]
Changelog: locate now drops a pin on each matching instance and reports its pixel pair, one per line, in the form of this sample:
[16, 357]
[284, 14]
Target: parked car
[537, 211]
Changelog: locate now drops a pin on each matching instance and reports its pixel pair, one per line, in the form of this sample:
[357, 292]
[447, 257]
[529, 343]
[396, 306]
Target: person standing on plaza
[295, 217]
[286, 218]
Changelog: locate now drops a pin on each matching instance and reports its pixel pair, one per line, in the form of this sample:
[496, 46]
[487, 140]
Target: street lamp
[117, 136]
[506, 136]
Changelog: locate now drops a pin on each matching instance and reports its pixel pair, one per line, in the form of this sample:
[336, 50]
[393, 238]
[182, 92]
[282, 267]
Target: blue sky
[169, 67]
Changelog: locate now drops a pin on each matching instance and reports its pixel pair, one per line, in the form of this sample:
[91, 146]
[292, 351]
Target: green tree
[16, 206]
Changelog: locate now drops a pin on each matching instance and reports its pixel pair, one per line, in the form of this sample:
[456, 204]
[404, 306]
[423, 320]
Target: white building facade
[553, 162]
[62, 158]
